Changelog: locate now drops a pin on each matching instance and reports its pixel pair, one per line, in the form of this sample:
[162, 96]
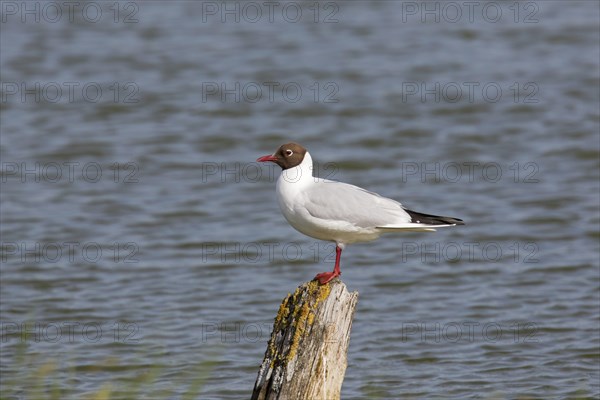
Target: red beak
[267, 158]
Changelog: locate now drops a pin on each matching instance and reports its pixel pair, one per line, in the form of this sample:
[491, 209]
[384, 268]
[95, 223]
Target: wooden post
[306, 355]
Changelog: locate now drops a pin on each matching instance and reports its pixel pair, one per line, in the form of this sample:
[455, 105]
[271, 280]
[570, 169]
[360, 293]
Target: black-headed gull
[336, 211]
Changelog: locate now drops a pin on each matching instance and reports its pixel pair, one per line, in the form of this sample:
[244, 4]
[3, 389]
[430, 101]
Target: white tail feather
[412, 227]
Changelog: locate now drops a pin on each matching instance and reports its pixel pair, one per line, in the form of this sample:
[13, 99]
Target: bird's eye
[288, 152]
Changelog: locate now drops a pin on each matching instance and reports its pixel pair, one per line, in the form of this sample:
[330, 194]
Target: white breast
[294, 189]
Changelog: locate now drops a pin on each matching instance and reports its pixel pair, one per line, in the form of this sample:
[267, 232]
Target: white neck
[301, 173]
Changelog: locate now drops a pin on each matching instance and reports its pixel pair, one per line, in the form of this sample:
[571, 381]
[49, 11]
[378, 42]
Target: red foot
[325, 277]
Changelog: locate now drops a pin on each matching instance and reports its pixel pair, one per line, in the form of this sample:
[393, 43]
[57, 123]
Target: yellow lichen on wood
[284, 311]
[311, 318]
[304, 317]
[301, 320]
[301, 317]
[324, 291]
[301, 312]
[306, 355]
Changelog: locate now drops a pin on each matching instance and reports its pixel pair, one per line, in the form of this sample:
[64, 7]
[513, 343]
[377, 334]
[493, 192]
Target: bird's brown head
[287, 156]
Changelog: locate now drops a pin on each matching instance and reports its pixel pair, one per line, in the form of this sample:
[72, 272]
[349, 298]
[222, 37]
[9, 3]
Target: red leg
[325, 277]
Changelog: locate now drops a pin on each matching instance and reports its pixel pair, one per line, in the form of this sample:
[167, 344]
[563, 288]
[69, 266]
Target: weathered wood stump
[306, 355]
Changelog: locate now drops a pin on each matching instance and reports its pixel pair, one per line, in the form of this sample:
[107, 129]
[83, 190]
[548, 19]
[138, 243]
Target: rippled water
[139, 235]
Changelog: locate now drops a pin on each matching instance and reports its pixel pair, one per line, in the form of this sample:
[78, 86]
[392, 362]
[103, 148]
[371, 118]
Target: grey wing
[337, 201]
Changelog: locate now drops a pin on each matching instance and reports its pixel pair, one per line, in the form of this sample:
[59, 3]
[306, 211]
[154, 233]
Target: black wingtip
[428, 219]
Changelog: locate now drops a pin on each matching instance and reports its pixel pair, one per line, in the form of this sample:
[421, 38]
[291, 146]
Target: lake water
[142, 243]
